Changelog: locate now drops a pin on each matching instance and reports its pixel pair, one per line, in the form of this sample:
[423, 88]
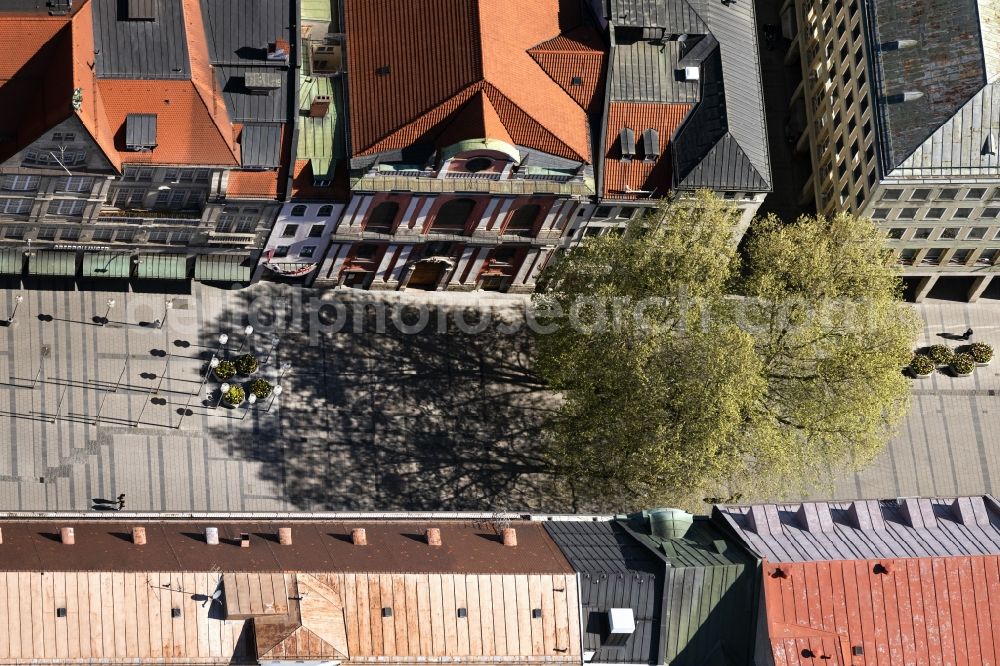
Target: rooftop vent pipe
[139, 536]
[67, 536]
[433, 536]
[359, 537]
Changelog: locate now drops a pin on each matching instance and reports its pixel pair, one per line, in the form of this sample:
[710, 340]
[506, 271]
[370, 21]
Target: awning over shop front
[222, 268]
[11, 262]
[46, 262]
[162, 267]
[106, 264]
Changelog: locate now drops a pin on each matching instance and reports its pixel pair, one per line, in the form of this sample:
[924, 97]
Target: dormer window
[627, 140]
[141, 10]
[140, 131]
[262, 82]
[650, 145]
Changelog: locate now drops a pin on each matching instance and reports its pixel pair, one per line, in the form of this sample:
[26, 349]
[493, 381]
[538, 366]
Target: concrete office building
[899, 105]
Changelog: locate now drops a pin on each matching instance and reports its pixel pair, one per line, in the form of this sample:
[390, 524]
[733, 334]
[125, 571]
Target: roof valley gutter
[599, 158]
[292, 103]
[345, 83]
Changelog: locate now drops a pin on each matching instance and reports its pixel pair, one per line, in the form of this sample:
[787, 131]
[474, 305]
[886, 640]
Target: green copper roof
[710, 591]
[316, 10]
[321, 140]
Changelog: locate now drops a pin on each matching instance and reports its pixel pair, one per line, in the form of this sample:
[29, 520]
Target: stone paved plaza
[370, 418]
[366, 420]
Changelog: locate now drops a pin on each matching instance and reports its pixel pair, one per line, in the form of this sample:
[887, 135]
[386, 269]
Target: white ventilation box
[621, 621]
[692, 73]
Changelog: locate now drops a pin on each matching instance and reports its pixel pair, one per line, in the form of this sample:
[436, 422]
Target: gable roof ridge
[489, 87]
[199, 60]
[549, 45]
[735, 140]
[909, 162]
[388, 142]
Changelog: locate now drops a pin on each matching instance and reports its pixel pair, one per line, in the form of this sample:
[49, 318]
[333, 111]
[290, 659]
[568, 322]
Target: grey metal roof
[867, 529]
[616, 571]
[260, 145]
[961, 146]
[246, 106]
[644, 71]
[146, 10]
[675, 16]
[140, 130]
[946, 64]
[239, 32]
[140, 49]
[722, 145]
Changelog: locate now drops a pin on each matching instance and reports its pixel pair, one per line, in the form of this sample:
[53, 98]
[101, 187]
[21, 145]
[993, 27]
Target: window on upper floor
[290, 230]
[325, 211]
[976, 233]
[66, 207]
[307, 251]
[316, 230]
[18, 183]
[895, 234]
[298, 210]
[15, 206]
[75, 184]
[949, 233]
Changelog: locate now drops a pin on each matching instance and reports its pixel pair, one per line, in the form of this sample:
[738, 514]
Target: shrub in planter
[963, 364]
[234, 396]
[981, 352]
[921, 365]
[225, 370]
[940, 354]
[247, 364]
[260, 388]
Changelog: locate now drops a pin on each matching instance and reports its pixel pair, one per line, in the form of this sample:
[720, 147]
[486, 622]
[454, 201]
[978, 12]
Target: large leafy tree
[687, 372]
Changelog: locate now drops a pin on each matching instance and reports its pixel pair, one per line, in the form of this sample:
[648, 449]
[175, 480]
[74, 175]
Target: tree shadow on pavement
[377, 415]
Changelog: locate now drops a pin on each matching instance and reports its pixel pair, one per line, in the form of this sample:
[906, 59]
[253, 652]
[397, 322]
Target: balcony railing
[387, 183]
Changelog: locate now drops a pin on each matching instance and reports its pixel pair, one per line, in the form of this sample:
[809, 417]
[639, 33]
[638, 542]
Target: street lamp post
[274, 343]
[274, 394]
[167, 307]
[43, 354]
[17, 301]
[285, 367]
[59, 404]
[222, 393]
[251, 399]
[212, 365]
[223, 339]
[247, 332]
[111, 304]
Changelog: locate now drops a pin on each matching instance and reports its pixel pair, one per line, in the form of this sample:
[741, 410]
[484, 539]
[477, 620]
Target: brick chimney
[212, 536]
[358, 536]
[320, 106]
[139, 536]
[433, 536]
[66, 535]
[509, 535]
[244, 540]
[285, 536]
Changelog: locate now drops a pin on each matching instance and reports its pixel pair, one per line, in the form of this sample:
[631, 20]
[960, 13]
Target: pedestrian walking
[967, 334]
[121, 501]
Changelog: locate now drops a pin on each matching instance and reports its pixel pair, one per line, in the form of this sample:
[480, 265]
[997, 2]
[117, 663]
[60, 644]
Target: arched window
[325, 211]
[522, 221]
[382, 219]
[453, 215]
[298, 211]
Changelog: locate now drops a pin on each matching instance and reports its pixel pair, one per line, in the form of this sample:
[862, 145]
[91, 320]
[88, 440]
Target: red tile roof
[440, 54]
[35, 79]
[622, 178]
[943, 610]
[253, 184]
[578, 54]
